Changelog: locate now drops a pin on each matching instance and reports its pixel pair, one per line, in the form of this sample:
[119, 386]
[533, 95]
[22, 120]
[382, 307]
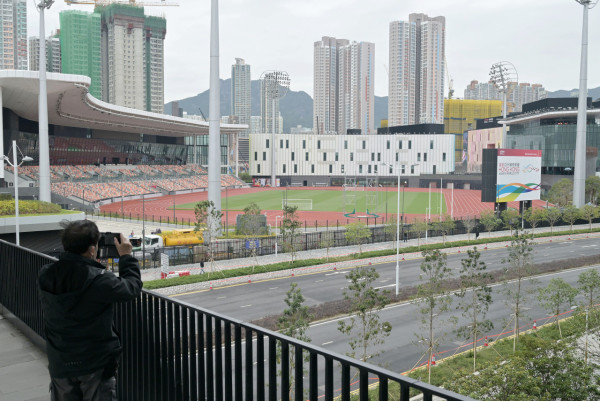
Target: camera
[106, 245]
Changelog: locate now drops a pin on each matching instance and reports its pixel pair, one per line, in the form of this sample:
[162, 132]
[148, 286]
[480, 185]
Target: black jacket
[77, 297]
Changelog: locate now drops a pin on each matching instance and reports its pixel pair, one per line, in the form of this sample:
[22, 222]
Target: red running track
[466, 203]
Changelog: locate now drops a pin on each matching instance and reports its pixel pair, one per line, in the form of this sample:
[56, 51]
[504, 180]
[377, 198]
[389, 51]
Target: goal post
[303, 204]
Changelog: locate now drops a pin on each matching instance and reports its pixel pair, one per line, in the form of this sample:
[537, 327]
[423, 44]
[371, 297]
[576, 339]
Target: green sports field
[335, 201]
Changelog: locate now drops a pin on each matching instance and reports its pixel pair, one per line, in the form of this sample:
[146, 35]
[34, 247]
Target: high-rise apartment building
[81, 47]
[269, 107]
[132, 57]
[343, 86]
[416, 71]
[13, 35]
[53, 57]
[241, 95]
[518, 94]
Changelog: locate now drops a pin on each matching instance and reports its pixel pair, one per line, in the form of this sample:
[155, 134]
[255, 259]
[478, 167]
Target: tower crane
[130, 2]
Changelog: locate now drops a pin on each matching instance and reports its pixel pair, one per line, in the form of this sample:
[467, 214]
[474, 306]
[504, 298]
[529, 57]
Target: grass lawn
[334, 201]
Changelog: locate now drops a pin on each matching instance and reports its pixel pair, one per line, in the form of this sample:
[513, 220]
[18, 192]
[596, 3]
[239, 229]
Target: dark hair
[79, 235]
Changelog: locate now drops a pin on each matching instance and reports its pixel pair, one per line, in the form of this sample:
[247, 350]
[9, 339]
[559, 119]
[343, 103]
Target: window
[369, 169]
[391, 170]
[434, 169]
[397, 157]
[403, 169]
[431, 144]
[419, 157]
[375, 169]
[264, 155]
[342, 169]
[306, 156]
[330, 169]
[360, 169]
[378, 156]
[444, 156]
[319, 144]
[345, 144]
[255, 156]
[400, 144]
[287, 143]
[410, 144]
[312, 168]
[281, 144]
[304, 144]
[337, 156]
[387, 145]
[351, 156]
[364, 144]
[412, 169]
[293, 156]
[424, 157]
[258, 168]
[267, 144]
[324, 156]
[295, 168]
[284, 168]
[372, 156]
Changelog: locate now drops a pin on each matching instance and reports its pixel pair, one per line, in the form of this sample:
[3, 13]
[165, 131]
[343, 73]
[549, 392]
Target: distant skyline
[542, 39]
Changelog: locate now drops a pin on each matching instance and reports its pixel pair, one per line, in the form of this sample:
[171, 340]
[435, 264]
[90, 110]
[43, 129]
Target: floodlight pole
[15, 166]
[214, 122]
[580, 141]
[44, 157]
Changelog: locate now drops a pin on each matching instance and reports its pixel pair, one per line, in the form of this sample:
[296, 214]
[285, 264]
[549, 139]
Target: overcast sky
[542, 38]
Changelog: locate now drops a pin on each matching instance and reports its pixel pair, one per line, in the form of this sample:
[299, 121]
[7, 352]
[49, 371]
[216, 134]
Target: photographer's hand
[124, 247]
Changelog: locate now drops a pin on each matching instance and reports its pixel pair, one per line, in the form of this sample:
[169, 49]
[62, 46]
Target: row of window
[306, 156]
[370, 169]
[364, 144]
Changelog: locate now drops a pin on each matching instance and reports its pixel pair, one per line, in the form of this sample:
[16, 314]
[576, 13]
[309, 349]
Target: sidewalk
[23, 367]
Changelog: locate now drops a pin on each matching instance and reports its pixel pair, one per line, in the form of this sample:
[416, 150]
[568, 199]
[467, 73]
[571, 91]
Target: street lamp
[580, 139]
[16, 166]
[501, 75]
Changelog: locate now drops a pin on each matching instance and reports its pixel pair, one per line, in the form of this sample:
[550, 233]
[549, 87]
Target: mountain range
[297, 107]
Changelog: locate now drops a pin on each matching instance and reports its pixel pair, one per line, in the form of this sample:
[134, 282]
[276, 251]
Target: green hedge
[7, 207]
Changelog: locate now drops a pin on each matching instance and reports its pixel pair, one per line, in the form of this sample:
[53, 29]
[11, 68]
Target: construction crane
[449, 80]
[130, 2]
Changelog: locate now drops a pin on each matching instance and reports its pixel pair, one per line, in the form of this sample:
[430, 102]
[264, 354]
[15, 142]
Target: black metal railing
[177, 351]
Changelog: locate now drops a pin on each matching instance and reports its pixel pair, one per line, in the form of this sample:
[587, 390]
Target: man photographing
[77, 295]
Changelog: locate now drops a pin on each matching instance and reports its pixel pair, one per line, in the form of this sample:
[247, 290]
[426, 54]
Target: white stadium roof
[70, 104]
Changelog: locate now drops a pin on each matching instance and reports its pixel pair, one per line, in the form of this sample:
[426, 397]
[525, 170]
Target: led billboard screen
[519, 175]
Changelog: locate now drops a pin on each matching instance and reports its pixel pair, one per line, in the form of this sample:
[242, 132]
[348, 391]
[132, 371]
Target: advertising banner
[519, 175]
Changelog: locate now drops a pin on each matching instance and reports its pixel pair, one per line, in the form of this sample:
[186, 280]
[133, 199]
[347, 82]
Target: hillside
[297, 107]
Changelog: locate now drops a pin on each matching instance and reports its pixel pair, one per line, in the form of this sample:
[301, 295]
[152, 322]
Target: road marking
[385, 286]
[589, 246]
[221, 297]
[245, 306]
[319, 281]
[331, 274]
[328, 342]
[273, 288]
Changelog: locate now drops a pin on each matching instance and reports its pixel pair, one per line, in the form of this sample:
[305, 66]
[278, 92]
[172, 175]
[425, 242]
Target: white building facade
[352, 155]
[343, 86]
[53, 57]
[416, 70]
[13, 35]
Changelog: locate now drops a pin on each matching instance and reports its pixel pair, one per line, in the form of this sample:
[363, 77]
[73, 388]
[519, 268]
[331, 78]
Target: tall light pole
[44, 157]
[16, 165]
[276, 232]
[580, 141]
[501, 75]
[276, 85]
[214, 120]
